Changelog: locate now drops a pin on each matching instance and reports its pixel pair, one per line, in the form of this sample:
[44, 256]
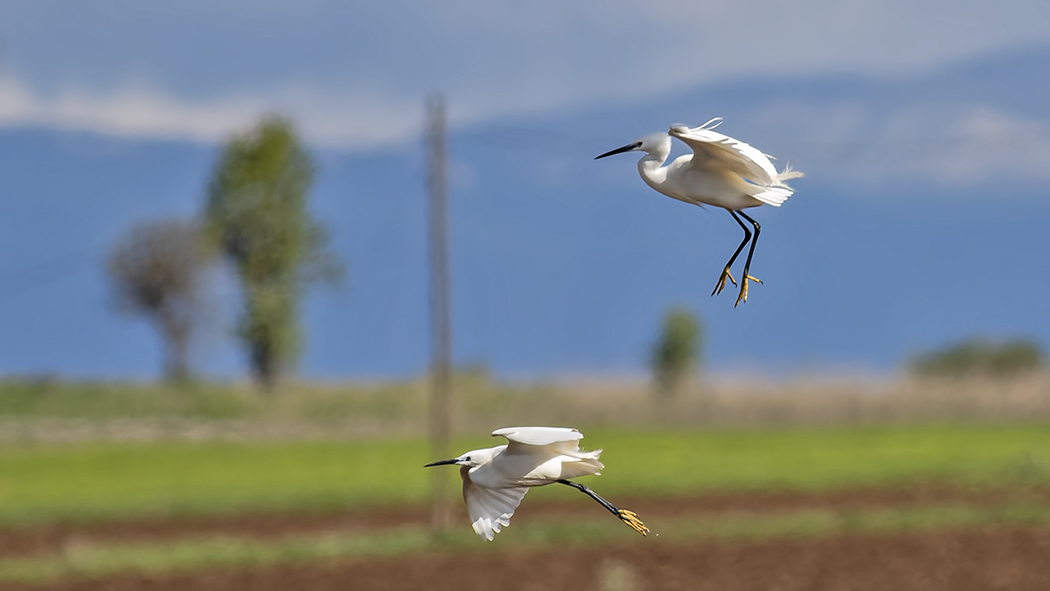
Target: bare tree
[157, 271]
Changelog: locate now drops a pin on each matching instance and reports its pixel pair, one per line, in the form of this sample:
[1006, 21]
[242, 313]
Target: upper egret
[496, 479]
[721, 171]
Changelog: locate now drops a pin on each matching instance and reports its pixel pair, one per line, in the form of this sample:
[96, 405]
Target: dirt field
[988, 558]
[1014, 559]
[50, 538]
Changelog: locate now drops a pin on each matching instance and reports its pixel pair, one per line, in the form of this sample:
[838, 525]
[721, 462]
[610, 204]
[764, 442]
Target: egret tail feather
[581, 467]
[789, 173]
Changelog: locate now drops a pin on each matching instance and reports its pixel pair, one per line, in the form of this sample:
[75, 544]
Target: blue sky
[922, 127]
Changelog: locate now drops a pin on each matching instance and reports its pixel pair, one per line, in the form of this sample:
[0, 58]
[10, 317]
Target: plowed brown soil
[51, 538]
[990, 558]
[1008, 559]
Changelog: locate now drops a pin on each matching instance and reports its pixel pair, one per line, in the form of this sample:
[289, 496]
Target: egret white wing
[538, 435]
[740, 158]
[547, 440]
[490, 509]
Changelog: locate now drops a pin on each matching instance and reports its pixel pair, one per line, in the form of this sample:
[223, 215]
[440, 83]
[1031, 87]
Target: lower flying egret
[721, 171]
[496, 479]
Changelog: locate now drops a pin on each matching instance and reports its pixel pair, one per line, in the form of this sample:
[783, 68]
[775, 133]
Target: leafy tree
[980, 357]
[157, 271]
[676, 352]
[256, 215]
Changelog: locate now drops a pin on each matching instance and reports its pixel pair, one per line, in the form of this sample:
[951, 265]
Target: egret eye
[466, 459]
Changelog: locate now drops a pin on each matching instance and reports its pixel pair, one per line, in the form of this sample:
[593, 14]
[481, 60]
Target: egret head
[655, 144]
[477, 457]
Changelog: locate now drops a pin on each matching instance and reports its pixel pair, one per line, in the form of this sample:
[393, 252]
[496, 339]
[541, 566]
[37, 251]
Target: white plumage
[496, 479]
[721, 171]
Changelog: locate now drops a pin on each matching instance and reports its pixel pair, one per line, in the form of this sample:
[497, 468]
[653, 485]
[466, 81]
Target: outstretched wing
[547, 442]
[538, 435]
[490, 509]
[527, 440]
[734, 155]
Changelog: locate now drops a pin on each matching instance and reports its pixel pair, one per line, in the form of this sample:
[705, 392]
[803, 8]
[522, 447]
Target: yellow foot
[722, 281]
[743, 289]
[631, 519]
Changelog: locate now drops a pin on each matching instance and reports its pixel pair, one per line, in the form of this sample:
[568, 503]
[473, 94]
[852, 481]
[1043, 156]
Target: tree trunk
[264, 364]
[176, 332]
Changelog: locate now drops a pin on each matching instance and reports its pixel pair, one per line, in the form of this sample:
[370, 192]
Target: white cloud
[986, 143]
[847, 140]
[951, 145]
[139, 111]
[129, 112]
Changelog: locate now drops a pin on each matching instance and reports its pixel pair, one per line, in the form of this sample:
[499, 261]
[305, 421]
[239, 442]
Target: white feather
[722, 171]
[712, 150]
[538, 435]
[496, 479]
[490, 509]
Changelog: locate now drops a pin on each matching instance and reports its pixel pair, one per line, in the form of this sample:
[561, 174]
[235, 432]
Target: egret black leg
[725, 272]
[628, 517]
[747, 263]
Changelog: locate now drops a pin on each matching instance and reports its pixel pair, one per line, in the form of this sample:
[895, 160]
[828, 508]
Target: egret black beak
[443, 463]
[626, 148]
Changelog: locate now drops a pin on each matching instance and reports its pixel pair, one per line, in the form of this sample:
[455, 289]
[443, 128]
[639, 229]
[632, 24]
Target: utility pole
[440, 310]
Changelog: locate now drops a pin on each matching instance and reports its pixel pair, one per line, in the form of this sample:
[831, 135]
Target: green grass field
[50, 483]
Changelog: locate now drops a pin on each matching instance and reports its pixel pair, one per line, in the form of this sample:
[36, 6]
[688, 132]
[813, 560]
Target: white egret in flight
[496, 479]
[721, 171]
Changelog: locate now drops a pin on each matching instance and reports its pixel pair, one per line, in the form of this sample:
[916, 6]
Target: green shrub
[676, 351]
[981, 357]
